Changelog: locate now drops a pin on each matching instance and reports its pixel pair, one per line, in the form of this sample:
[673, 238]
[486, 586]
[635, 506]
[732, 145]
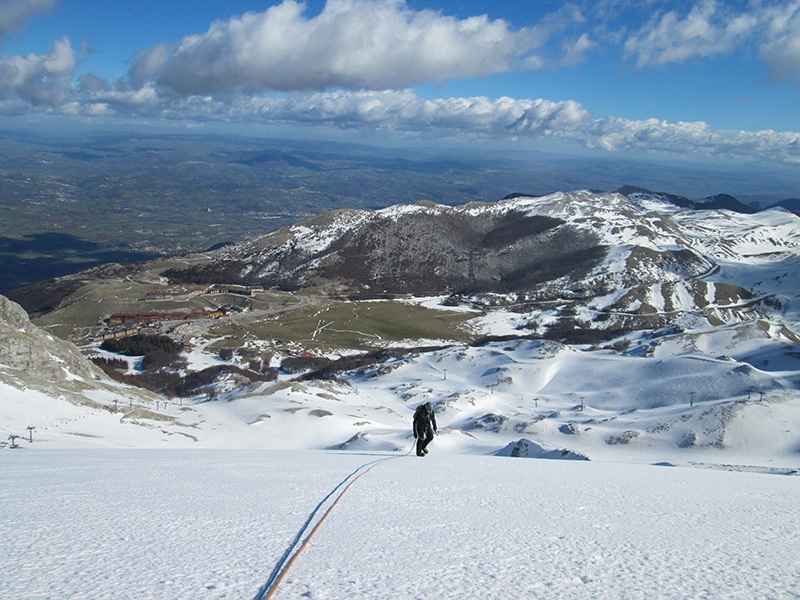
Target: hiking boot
[425, 450]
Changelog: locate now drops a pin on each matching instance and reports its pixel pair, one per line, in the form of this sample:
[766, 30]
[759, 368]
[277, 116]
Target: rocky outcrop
[27, 349]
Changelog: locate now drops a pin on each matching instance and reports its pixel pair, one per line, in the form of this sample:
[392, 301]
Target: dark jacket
[424, 419]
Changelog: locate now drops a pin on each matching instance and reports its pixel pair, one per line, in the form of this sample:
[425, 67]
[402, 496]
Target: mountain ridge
[469, 249]
[565, 248]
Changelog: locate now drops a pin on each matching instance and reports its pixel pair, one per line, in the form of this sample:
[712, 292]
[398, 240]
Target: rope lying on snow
[291, 554]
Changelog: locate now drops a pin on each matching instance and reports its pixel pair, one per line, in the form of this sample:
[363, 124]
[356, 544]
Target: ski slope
[213, 524]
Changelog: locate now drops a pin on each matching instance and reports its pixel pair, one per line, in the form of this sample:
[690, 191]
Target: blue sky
[698, 79]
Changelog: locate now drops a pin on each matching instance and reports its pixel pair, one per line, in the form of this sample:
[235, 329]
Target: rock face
[31, 352]
[48, 383]
[429, 252]
[545, 248]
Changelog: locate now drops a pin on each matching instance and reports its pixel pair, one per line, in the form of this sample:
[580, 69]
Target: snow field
[472, 527]
[153, 524]
[213, 524]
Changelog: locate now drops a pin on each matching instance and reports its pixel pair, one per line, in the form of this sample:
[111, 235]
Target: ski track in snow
[213, 524]
[555, 531]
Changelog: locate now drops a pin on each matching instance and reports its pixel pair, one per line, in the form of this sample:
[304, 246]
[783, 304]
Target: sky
[699, 80]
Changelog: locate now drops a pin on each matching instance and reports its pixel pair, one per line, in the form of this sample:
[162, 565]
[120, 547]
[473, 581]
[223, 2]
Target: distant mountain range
[638, 251]
[72, 203]
[568, 248]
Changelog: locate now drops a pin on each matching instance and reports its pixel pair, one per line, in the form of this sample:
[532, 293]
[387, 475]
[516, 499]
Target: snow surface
[213, 524]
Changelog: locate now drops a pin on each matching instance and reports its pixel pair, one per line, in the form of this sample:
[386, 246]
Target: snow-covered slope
[670, 450]
[209, 525]
[730, 390]
[48, 384]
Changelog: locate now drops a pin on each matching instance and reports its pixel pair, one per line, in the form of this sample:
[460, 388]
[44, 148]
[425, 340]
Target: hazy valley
[72, 203]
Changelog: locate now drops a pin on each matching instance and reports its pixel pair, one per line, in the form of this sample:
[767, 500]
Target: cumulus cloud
[405, 113]
[529, 119]
[13, 13]
[39, 78]
[712, 28]
[354, 44]
[35, 79]
[146, 66]
[693, 138]
[575, 52]
[384, 44]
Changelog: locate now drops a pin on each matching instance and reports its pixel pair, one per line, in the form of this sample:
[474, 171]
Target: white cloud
[39, 78]
[13, 13]
[354, 44]
[781, 50]
[384, 44]
[708, 29]
[711, 28]
[403, 112]
[147, 65]
[505, 118]
[693, 138]
[576, 52]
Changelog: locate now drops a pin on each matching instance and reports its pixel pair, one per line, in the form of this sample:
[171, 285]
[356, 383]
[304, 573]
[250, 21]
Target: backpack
[422, 417]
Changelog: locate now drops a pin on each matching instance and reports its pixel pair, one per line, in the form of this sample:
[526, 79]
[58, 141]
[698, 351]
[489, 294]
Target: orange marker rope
[316, 528]
[271, 586]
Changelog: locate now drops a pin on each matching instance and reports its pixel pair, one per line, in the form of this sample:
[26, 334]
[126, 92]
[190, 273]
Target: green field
[270, 320]
[348, 326]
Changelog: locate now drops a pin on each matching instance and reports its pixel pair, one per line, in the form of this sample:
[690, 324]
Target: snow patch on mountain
[767, 236]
